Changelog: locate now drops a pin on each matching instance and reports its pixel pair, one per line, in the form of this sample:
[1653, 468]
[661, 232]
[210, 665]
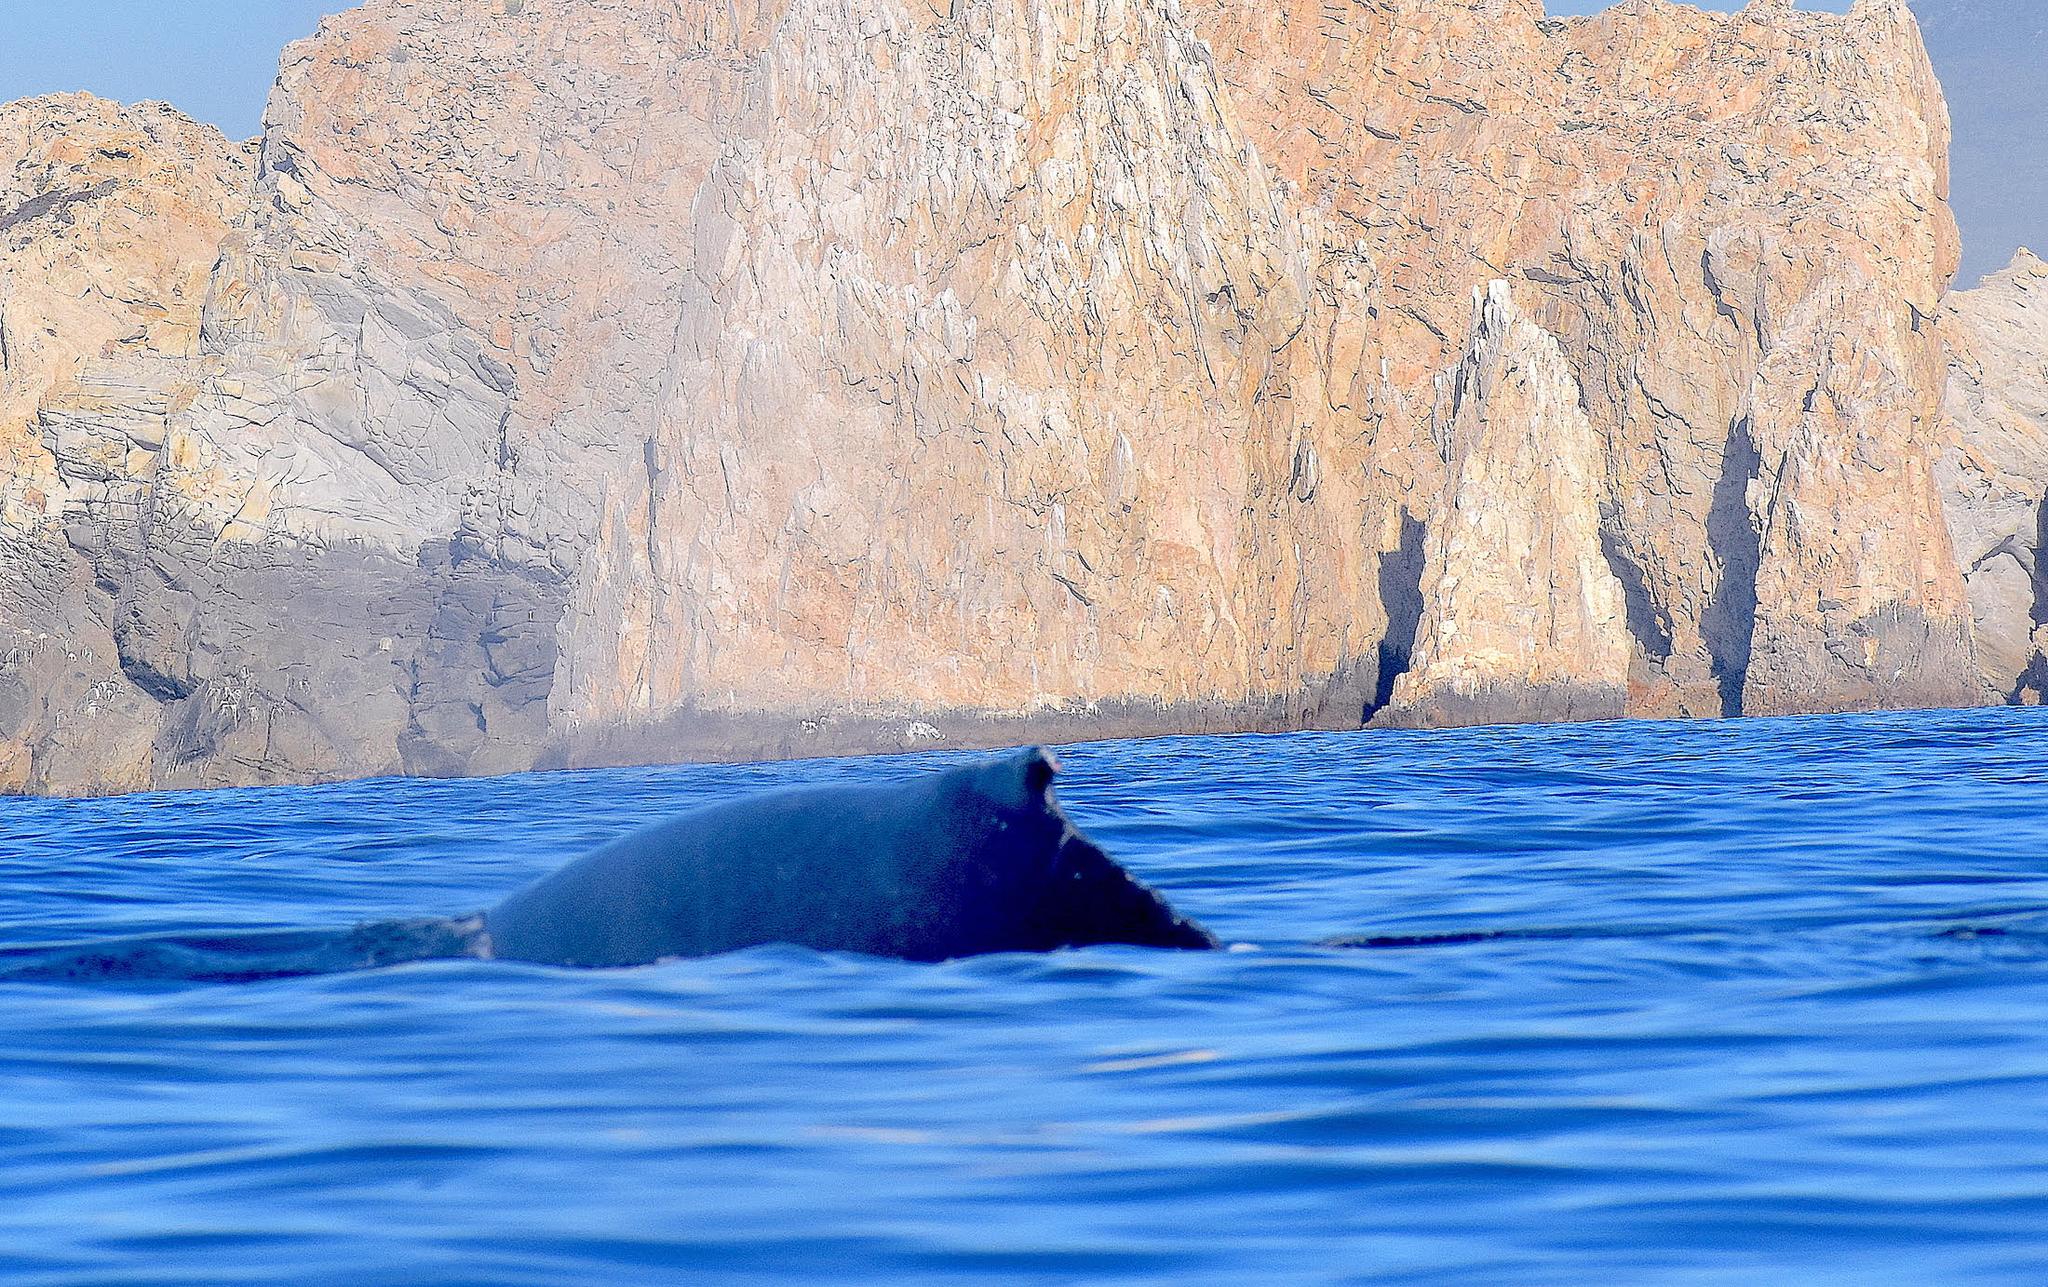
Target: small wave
[1466, 938]
[244, 958]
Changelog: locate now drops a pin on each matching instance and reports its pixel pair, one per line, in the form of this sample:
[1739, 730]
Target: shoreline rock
[554, 380]
[1994, 469]
[1523, 618]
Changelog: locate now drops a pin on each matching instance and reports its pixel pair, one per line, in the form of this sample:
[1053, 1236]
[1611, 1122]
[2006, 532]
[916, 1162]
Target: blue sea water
[1764, 1001]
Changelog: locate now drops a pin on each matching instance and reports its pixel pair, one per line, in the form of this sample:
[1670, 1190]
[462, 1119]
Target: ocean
[1695, 1003]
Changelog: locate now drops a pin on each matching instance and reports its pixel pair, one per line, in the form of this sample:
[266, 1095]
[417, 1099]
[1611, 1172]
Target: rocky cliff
[1522, 617]
[110, 221]
[584, 380]
[1994, 474]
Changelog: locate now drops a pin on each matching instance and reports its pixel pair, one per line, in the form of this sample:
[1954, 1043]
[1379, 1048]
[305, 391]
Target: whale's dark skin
[957, 863]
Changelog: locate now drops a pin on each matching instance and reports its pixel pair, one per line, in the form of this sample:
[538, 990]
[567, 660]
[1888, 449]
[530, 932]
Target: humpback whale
[961, 862]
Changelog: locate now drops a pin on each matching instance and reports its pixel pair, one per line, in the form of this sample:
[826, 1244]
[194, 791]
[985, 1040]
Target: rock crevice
[1523, 617]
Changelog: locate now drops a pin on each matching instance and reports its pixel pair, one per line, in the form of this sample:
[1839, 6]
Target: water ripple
[1698, 1003]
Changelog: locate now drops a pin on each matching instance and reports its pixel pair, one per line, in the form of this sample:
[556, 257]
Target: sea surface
[1760, 1001]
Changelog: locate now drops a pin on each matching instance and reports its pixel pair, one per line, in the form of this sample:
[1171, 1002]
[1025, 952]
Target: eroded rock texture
[1995, 472]
[585, 380]
[1523, 618]
[110, 220]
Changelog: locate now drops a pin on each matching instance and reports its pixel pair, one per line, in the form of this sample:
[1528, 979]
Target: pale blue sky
[214, 59]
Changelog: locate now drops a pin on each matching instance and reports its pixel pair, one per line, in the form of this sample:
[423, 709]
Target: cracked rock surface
[1522, 617]
[1994, 473]
[580, 381]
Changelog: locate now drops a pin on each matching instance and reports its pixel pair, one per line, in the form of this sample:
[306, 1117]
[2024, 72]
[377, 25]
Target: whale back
[956, 863]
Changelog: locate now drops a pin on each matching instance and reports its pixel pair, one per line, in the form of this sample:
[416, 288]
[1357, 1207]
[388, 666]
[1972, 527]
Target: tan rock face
[1688, 201]
[601, 379]
[974, 402]
[1523, 618]
[110, 221]
[1994, 474]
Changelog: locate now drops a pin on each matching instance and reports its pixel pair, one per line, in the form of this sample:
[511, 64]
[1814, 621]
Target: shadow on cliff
[1400, 577]
[2030, 688]
[1729, 623]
